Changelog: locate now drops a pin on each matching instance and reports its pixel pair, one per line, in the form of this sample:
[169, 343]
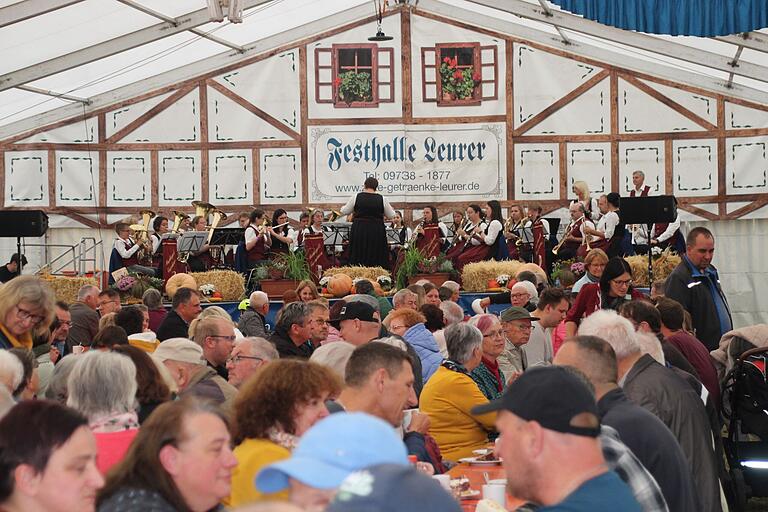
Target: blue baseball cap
[391, 488]
[332, 449]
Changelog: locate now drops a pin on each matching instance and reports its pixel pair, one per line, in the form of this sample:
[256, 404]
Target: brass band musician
[257, 238]
[127, 249]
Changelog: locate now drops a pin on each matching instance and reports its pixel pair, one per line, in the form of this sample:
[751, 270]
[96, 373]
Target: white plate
[469, 495]
[482, 451]
[473, 461]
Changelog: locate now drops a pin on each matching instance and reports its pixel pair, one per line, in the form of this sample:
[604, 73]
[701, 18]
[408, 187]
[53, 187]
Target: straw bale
[65, 287]
[475, 276]
[662, 267]
[229, 283]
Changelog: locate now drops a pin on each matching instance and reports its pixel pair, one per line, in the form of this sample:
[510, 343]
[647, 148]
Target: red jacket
[588, 301]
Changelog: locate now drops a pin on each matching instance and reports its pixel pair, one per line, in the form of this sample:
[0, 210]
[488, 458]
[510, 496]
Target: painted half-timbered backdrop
[273, 131]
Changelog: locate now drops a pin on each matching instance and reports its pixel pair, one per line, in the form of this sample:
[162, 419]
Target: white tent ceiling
[59, 58]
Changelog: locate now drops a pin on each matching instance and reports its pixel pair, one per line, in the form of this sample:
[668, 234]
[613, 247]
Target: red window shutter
[489, 84]
[386, 75]
[324, 89]
[429, 74]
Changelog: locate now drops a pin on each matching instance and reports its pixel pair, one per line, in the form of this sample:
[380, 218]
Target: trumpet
[461, 233]
[335, 214]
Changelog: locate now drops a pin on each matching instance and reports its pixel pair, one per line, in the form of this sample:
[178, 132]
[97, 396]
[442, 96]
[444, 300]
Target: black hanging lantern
[380, 6]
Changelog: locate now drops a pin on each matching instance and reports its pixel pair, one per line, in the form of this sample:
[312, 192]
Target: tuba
[142, 236]
[178, 218]
[333, 215]
[218, 216]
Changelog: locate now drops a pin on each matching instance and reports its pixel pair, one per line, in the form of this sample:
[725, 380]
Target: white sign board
[421, 163]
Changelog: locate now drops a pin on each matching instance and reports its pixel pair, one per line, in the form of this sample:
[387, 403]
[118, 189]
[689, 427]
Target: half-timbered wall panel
[258, 132]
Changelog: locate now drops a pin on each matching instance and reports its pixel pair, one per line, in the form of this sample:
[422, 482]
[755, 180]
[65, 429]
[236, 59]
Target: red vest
[133, 260]
[259, 250]
[643, 192]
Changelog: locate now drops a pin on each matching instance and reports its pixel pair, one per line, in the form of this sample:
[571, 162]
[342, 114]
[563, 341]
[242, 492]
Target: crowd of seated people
[605, 399]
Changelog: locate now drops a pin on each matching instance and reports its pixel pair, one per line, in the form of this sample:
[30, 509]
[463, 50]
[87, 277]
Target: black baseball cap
[554, 398]
[354, 310]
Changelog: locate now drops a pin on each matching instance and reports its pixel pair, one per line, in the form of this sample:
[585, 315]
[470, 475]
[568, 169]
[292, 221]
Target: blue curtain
[704, 18]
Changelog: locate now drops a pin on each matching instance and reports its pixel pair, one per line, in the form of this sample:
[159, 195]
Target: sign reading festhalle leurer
[413, 163]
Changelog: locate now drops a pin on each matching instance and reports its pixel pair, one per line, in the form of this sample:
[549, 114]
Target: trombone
[556, 248]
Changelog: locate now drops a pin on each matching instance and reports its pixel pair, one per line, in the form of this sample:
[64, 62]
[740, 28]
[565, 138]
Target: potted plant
[132, 286]
[285, 271]
[354, 87]
[458, 85]
[415, 266]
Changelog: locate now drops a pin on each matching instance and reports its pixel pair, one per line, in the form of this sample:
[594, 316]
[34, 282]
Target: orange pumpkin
[339, 285]
[179, 281]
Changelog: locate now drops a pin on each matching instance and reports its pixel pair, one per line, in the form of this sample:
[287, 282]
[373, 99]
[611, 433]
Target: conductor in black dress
[368, 240]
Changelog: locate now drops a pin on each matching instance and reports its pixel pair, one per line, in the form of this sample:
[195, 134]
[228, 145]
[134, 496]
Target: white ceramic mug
[496, 493]
[407, 416]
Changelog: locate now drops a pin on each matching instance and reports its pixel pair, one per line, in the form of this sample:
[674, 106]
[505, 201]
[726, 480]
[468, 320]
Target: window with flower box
[457, 74]
[354, 75]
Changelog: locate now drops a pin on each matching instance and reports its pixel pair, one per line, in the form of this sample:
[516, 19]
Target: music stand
[649, 211]
[393, 236]
[336, 233]
[192, 241]
[227, 236]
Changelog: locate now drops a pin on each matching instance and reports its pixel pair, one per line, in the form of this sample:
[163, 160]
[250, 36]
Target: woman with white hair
[450, 395]
[102, 386]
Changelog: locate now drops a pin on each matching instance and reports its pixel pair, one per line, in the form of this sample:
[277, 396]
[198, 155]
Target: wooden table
[476, 482]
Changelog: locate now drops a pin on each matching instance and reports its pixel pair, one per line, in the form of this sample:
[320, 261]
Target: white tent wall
[267, 127]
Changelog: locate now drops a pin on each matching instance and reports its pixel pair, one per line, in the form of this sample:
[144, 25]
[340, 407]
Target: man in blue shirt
[549, 444]
[696, 285]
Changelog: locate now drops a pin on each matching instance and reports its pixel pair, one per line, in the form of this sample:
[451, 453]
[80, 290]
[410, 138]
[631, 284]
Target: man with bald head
[253, 319]
[648, 438]
[248, 356]
[216, 336]
[85, 318]
[665, 394]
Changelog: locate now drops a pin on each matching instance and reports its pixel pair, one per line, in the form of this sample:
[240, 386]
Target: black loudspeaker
[21, 223]
[648, 210]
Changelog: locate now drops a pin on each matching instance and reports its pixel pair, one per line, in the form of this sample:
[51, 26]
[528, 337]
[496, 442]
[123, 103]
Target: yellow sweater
[447, 399]
[252, 455]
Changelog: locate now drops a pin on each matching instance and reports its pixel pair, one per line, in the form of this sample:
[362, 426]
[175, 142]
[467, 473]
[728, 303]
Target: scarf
[114, 422]
[284, 439]
[454, 366]
[23, 341]
[493, 367]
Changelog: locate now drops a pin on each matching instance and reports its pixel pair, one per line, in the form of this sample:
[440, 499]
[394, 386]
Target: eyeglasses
[518, 295]
[623, 282]
[25, 315]
[102, 304]
[494, 334]
[523, 327]
[319, 321]
[228, 338]
[238, 358]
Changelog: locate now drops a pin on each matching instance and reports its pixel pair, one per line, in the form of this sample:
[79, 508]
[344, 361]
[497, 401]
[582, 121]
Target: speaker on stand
[22, 223]
[649, 211]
